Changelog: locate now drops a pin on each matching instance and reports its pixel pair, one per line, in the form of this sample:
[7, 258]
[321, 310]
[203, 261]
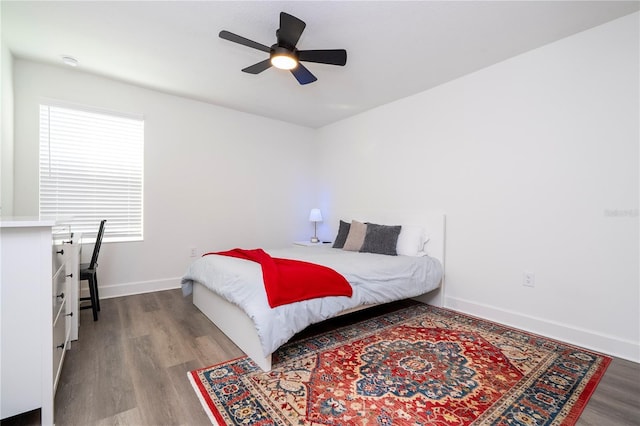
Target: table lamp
[315, 216]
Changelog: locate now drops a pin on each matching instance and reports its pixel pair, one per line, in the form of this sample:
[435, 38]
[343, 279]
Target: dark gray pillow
[381, 239]
[343, 231]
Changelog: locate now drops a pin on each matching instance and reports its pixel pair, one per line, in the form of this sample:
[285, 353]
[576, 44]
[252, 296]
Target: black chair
[89, 272]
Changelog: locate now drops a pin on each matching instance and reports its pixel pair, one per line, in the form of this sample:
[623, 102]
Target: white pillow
[411, 241]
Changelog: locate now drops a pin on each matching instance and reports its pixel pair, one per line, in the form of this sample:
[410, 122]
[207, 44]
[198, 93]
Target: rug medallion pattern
[417, 366]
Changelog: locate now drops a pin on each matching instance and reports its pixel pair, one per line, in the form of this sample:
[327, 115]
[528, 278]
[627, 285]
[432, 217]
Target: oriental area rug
[419, 365]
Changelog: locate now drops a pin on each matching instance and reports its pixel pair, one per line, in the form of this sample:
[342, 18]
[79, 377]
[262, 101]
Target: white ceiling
[395, 48]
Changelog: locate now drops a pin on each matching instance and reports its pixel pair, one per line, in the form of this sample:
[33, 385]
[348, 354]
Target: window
[91, 168]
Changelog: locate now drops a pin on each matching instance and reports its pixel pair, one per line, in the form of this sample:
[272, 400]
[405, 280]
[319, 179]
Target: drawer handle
[60, 346]
[70, 276]
[60, 252]
[68, 242]
[69, 314]
[61, 295]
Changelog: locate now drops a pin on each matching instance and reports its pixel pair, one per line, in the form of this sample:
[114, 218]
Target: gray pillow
[343, 231]
[381, 239]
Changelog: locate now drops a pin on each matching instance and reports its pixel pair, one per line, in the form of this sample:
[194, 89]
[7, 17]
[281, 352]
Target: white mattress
[374, 278]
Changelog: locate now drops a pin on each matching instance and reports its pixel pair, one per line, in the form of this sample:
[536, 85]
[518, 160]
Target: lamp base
[315, 240]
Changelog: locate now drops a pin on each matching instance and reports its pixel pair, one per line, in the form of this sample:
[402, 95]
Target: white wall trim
[588, 339]
[128, 289]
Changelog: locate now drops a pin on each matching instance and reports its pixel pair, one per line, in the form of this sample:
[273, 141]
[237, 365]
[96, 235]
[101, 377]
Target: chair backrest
[96, 248]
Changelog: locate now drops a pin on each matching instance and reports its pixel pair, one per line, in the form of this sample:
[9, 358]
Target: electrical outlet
[193, 252]
[528, 279]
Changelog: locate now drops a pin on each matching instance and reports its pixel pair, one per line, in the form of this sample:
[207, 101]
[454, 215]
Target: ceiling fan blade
[303, 75]
[331, 57]
[291, 29]
[244, 41]
[259, 67]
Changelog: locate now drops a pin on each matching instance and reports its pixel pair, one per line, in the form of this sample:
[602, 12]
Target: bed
[242, 312]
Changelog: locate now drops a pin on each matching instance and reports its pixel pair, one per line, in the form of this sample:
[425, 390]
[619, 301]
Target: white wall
[535, 162]
[6, 131]
[213, 177]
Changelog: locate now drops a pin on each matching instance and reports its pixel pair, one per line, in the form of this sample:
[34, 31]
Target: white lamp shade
[315, 215]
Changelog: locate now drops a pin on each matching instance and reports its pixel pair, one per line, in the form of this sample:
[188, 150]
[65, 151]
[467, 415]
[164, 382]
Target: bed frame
[233, 322]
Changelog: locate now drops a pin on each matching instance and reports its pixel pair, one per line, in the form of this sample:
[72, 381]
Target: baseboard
[598, 342]
[128, 289]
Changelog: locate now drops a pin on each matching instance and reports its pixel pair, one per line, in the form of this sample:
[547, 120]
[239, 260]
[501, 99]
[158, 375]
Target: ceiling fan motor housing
[276, 50]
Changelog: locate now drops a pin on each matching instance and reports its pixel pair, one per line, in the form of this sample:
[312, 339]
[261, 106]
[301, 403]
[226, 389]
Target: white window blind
[91, 168]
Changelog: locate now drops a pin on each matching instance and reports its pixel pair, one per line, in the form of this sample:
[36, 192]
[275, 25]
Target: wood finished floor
[130, 368]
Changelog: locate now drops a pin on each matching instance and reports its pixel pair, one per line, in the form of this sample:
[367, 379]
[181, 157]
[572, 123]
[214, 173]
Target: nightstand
[309, 244]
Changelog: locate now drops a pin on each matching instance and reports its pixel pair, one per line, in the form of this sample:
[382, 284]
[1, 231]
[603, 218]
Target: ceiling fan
[284, 54]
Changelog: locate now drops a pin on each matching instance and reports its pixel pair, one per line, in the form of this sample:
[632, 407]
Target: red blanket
[287, 280]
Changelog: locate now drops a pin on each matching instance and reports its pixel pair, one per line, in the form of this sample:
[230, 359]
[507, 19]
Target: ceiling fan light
[284, 62]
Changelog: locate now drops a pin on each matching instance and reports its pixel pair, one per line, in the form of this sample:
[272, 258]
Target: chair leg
[92, 293]
[95, 278]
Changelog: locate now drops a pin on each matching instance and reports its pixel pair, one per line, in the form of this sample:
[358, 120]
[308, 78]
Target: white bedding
[375, 278]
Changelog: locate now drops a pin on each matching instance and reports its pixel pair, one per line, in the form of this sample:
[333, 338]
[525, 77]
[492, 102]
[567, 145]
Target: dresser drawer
[57, 257]
[59, 344]
[59, 295]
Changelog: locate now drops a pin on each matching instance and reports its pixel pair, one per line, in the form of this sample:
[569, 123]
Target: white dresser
[38, 273]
